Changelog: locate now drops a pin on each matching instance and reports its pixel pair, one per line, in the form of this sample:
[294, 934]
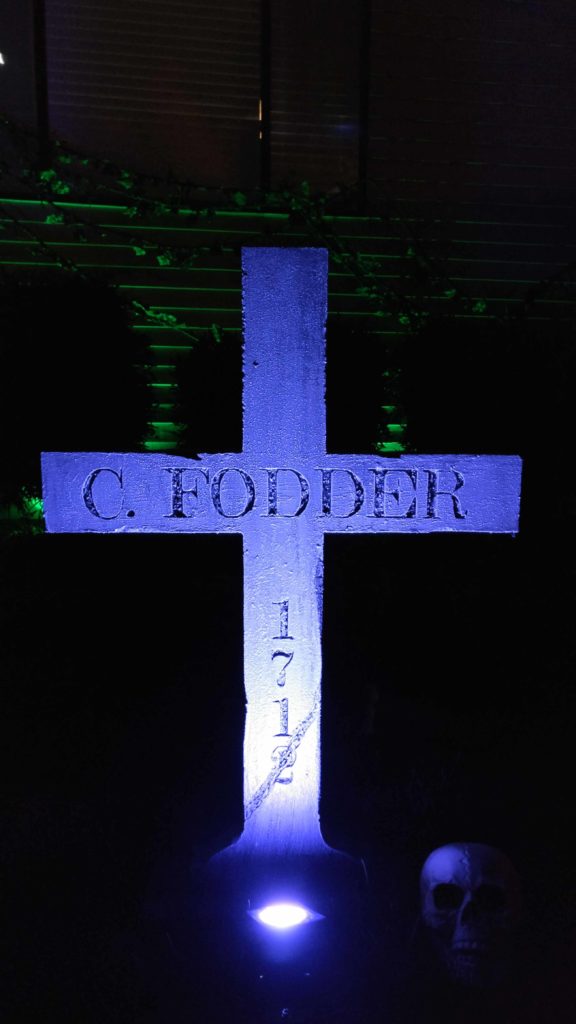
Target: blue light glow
[284, 915]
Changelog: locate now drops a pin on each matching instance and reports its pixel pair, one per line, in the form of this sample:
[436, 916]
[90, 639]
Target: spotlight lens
[283, 915]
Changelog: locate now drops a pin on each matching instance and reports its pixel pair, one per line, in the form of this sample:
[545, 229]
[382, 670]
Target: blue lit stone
[283, 492]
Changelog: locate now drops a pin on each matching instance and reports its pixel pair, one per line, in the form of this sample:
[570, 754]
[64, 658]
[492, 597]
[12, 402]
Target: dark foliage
[481, 387]
[210, 396]
[358, 375]
[69, 379]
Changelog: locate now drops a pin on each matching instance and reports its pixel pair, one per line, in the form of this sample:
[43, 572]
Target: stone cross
[283, 493]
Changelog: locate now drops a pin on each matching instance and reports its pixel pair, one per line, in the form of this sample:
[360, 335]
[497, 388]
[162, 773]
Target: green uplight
[66, 245]
[33, 506]
[79, 206]
[385, 447]
[239, 213]
[199, 309]
[176, 288]
[160, 446]
[188, 230]
[189, 327]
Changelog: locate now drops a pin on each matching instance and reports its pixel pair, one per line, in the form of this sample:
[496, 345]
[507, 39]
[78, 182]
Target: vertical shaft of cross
[284, 308]
[285, 304]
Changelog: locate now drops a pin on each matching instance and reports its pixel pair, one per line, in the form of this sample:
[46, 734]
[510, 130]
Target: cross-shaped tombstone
[283, 493]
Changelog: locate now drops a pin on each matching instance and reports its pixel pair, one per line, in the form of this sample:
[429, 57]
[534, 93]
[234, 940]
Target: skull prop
[471, 905]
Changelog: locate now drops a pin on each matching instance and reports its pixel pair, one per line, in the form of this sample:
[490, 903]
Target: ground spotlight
[284, 915]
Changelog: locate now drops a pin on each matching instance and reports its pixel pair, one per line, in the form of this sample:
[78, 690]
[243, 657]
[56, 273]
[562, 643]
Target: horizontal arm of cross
[232, 493]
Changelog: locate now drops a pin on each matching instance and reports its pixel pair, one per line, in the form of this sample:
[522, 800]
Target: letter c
[89, 497]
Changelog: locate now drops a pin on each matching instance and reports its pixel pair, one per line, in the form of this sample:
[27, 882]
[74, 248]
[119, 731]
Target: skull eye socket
[447, 896]
[490, 897]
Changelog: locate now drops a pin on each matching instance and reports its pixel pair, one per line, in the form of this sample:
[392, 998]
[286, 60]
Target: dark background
[448, 715]
[448, 707]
